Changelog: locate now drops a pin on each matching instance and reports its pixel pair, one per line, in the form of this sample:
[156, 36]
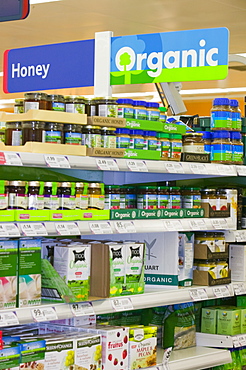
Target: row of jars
[104, 107]
[217, 268]
[226, 115]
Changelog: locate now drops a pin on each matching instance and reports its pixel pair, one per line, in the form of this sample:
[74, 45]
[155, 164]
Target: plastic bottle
[237, 148]
[221, 115]
[235, 115]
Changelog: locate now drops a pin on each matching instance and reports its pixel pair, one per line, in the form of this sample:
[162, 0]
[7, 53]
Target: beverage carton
[8, 273]
[88, 352]
[142, 347]
[29, 272]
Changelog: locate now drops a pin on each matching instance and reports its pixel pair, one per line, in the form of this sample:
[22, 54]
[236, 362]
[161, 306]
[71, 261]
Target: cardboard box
[59, 353]
[88, 352]
[29, 272]
[204, 278]
[106, 121]
[8, 273]
[105, 152]
[11, 356]
[32, 354]
[237, 261]
[228, 321]
[186, 256]
[202, 251]
[209, 320]
[142, 347]
[209, 212]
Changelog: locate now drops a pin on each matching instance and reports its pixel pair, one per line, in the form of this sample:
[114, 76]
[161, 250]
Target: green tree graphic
[125, 60]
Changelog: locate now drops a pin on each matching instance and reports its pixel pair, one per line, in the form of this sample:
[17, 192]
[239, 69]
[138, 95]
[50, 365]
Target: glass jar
[191, 198]
[81, 201]
[208, 265]
[51, 199]
[208, 196]
[222, 268]
[4, 194]
[96, 195]
[131, 197]
[150, 140]
[56, 102]
[75, 105]
[175, 147]
[19, 106]
[72, 134]
[220, 243]
[221, 147]
[206, 238]
[221, 200]
[107, 107]
[112, 197]
[153, 113]
[91, 136]
[193, 143]
[140, 111]
[17, 195]
[163, 114]
[33, 131]
[136, 139]
[35, 195]
[66, 194]
[221, 115]
[125, 108]
[165, 146]
[207, 137]
[35, 101]
[2, 132]
[163, 197]
[175, 197]
[54, 133]
[123, 138]
[235, 115]
[13, 133]
[91, 107]
[123, 192]
[237, 147]
[108, 137]
[147, 197]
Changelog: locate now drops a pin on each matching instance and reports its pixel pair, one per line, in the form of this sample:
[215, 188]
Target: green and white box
[88, 352]
[72, 262]
[59, 353]
[29, 272]
[32, 354]
[229, 321]
[209, 320]
[8, 273]
[11, 356]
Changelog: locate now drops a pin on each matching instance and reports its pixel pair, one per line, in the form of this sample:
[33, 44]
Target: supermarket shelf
[221, 341]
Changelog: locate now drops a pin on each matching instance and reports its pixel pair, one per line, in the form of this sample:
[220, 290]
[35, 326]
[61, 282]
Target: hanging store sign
[46, 67]
[194, 55]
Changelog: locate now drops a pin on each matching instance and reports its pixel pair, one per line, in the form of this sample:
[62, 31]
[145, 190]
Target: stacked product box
[223, 320]
[8, 273]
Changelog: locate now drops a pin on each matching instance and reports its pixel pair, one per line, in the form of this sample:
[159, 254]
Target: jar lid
[235, 135]
[163, 187]
[125, 101]
[139, 103]
[151, 133]
[33, 183]
[163, 109]
[55, 97]
[208, 190]
[161, 135]
[19, 101]
[205, 134]
[17, 183]
[193, 134]
[49, 184]
[136, 132]
[176, 136]
[221, 101]
[65, 184]
[79, 184]
[108, 128]
[191, 189]
[234, 103]
[174, 188]
[112, 186]
[122, 131]
[152, 105]
[38, 96]
[79, 98]
[221, 134]
[148, 187]
[96, 127]
[95, 185]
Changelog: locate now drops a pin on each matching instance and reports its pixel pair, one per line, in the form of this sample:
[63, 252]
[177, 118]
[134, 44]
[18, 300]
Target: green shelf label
[142, 154]
[165, 213]
[136, 124]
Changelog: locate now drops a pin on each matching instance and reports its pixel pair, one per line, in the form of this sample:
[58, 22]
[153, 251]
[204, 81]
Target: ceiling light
[213, 91]
[32, 2]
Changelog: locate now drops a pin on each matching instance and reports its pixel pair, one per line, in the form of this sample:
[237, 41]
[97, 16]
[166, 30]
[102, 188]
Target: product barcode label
[136, 165]
[9, 230]
[82, 308]
[173, 225]
[221, 291]
[122, 304]
[197, 224]
[57, 161]
[174, 167]
[44, 314]
[12, 159]
[198, 294]
[125, 227]
[67, 228]
[239, 288]
[100, 228]
[107, 164]
[225, 170]
[219, 223]
[198, 168]
[8, 319]
[34, 229]
[240, 236]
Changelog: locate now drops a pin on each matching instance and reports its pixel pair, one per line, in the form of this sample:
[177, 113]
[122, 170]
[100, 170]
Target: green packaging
[209, 320]
[228, 321]
[241, 301]
[11, 356]
[243, 321]
[32, 351]
[142, 347]
[8, 273]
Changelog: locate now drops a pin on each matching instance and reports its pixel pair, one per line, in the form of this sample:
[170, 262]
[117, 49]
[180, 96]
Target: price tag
[67, 228]
[82, 308]
[225, 170]
[240, 236]
[239, 288]
[242, 339]
[100, 227]
[166, 358]
[8, 319]
[9, 230]
[137, 165]
[198, 224]
[34, 229]
[57, 161]
[44, 314]
[173, 225]
[198, 294]
[107, 164]
[125, 227]
[174, 167]
[198, 168]
[235, 341]
[241, 170]
[122, 304]
[219, 223]
[12, 159]
[221, 291]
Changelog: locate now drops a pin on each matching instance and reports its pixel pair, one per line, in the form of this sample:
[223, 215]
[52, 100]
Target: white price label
[235, 341]
[219, 223]
[198, 224]
[8, 319]
[239, 288]
[34, 229]
[166, 358]
[13, 159]
[125, 227]
[225, 170]
[107, 164]
[174, 167]
[100, 228]
[57, 161]
[137, 165]
[44, 314]
[9, 230]
[240, 236]
[242, 339]
[122, 304]
[173, 225]
[198, 294]
[221, 291]
[241, 170]
[82, 308]
[198, 168]
[67, 228]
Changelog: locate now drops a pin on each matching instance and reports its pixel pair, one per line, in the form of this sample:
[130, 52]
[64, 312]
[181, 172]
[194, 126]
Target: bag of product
[179, 329]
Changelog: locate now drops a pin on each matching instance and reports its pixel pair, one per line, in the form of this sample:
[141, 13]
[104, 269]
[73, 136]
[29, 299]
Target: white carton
[88, 352]
[59, 353]
[186, 256]
[237, 262]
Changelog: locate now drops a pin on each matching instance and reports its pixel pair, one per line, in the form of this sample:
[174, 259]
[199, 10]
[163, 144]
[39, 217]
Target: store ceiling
[70, 20]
